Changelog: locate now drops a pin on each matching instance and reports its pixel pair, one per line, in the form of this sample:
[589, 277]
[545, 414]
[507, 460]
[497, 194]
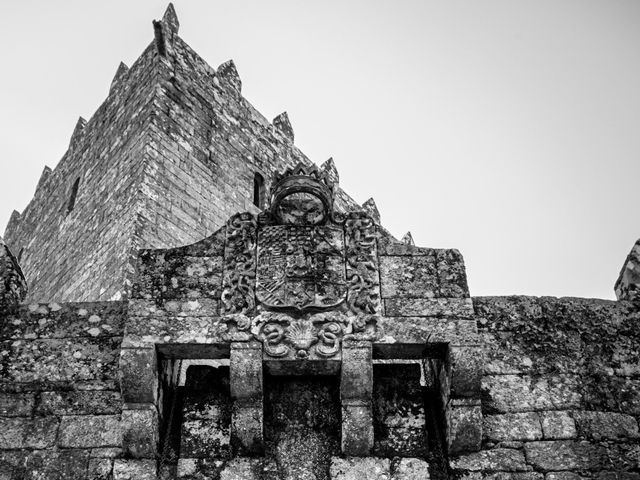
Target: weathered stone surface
[498, 459]
[429, 307]
[566, 455]
[466, 370]
[138, 375]
[247, 429]
[16, 404]
[562, 476]
[357, 429]
[242, 468]
[59, 361]
[515, 393]
[558, 425]
[90, 431]
[606, 425]
[354, 468]
[502, 476]
[423, 330]
[65, 320]
[410, 469]
[20, 432]
[512, 426]
[55, 465]
[140, 432]
[13, 286]
[125, 469]
[199, 468]
[204, 438]
[628, 284]
[464, 427]
[99, 469]
[407, 276]
[79, 403]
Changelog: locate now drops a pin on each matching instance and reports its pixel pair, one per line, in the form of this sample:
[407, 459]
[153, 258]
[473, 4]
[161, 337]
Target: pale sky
[507, 129]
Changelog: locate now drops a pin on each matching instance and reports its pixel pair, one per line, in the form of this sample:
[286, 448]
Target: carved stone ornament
[318, 336]
[301, 256]
[238, 284]
[301, 260]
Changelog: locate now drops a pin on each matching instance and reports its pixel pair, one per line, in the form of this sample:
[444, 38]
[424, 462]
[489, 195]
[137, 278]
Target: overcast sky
[507, 129]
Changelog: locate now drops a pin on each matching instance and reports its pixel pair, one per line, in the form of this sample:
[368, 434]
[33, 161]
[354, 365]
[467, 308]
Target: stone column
[245, 372]
[356, 387]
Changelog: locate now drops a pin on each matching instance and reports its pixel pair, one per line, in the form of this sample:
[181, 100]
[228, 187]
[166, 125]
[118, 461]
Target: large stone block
[127, 469]
[357, 429]
[511, 427]
[247, 425]
[140, 432]
[245, 372]
[558, 425]
[356, 377]
[606, 425]
[399, 330]
[20, 432]
[90, 431]
[79, 403]
[522, 393]
[466, 370]
[429, 307]
[54, 465]
[408, 276]
[566, 455]
[242, 469]
[139, 375]
[410, 469]
[497, 459]
[16, 404]
[464, 426]
[60, 361]
[354, 468]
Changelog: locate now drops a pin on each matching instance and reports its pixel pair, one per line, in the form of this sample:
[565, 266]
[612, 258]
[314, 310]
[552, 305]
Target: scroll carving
[238, 284]
[362, 264]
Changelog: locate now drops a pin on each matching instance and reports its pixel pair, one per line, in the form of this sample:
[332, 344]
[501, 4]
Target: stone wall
[60, 401]
[561, 389]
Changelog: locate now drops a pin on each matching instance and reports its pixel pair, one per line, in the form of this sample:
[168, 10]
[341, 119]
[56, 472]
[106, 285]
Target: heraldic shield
[301, 266]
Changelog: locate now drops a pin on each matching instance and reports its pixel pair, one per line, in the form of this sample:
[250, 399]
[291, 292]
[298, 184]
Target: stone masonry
[193, 298]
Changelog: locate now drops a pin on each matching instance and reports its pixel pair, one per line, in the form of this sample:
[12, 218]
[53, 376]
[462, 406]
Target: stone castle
[189, 296]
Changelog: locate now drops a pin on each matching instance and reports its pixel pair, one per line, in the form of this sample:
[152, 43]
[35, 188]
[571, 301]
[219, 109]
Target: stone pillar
[628, 285]
[356, 387]
[245, 381]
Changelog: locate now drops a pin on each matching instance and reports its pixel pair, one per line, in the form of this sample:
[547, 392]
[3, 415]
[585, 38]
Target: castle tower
[173, 151]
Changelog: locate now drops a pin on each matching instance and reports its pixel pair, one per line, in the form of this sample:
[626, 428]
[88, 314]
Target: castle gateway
[150, 330]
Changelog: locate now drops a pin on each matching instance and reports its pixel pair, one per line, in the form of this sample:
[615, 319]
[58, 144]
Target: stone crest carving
[310, 274]
[319, 336]
[301, 247]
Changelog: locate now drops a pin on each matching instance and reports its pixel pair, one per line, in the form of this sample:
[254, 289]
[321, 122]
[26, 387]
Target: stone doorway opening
[302, 424]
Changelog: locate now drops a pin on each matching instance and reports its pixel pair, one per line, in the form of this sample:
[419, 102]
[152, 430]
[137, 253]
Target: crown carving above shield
[302, 195]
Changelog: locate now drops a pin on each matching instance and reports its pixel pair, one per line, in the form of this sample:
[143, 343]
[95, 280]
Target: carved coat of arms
[301, 267]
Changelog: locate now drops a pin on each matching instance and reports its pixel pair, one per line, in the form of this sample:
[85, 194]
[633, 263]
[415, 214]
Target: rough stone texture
[512, 427]
[628, 284]
[557, 425]
[606, 425]
[90, 431]
[365, 468]
[410, 469]
[134, 469]
[13, 287]
[498, 459]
